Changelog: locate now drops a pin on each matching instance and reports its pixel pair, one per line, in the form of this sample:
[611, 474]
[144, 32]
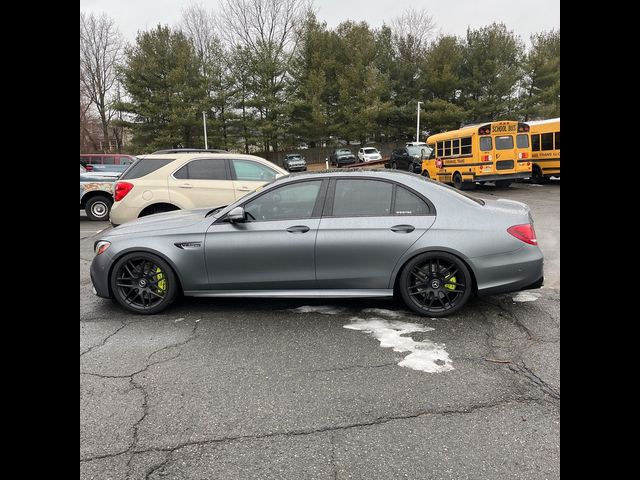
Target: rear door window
[362, 198]
[204, 169]
[504, 142]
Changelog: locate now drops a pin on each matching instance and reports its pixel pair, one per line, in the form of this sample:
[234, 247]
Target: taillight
[524, 232]
[89, 168]
[121, 190]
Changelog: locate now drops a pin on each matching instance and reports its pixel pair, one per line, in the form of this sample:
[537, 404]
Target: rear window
[522, 140]
[370, 150]
[145, 166]
[504, 142]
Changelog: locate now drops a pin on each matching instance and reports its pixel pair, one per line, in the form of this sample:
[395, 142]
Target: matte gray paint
[359, 255]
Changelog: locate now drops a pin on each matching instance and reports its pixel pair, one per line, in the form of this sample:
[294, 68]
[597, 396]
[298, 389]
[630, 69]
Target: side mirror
[237, 215]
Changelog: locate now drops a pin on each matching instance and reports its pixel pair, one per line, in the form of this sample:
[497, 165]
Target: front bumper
[297, 168]
[99, 273]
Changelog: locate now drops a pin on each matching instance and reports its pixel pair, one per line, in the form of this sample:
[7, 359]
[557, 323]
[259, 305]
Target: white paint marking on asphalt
[324, 309]
[382, 311]
[425, 355]
[525, 297]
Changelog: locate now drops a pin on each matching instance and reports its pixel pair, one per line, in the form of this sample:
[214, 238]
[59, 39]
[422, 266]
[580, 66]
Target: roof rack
[190, 150]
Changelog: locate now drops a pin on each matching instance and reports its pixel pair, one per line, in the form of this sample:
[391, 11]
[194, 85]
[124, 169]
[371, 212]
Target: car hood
[162, 222]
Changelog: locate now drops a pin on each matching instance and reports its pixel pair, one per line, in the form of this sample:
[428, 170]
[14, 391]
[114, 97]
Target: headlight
[101, 246]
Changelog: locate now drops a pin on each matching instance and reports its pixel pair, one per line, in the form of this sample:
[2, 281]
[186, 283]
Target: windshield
[370, 150]
[344, 150]
[293, 157]
[414, 150]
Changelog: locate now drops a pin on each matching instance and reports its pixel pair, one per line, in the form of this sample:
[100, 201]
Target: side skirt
[320, 293]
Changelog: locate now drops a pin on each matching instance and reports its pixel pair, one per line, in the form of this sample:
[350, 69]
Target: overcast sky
[451, 16]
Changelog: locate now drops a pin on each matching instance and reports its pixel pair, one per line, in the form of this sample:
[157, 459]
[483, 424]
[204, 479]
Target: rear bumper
[509, 272]
[507, 176]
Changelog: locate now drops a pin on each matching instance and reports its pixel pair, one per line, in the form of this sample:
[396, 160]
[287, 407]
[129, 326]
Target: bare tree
[411, 32]
[101, 48]
[268, 31]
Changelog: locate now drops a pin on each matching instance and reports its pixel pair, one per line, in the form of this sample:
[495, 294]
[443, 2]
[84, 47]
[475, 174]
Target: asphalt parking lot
[259, 388]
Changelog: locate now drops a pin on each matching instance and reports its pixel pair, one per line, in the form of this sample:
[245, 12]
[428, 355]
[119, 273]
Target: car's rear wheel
[143, 283]
[98, 207]
[435, 284]
[393, 165]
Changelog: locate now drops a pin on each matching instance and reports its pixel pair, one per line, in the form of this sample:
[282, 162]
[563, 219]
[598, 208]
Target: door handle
[403, 228]
[244, 189]
[298, 229]
[186, 185]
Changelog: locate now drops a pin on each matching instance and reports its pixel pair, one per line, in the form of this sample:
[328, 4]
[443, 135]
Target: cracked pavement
[228, 388]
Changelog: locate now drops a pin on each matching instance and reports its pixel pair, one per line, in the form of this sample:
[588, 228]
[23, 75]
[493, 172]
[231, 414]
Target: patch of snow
[426, 356]
[525, 297]
[323, 309]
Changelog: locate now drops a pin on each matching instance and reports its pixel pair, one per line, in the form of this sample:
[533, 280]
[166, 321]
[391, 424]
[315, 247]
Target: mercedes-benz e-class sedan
[365, 233]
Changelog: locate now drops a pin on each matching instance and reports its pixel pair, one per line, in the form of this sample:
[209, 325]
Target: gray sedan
[328, 234]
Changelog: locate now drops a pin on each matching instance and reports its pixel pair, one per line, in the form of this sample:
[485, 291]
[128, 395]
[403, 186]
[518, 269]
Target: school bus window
[456, 147]
[522, 140]
[504, 142]
[535, 143]
[447, 148]
[557, 140]
[486, 144]
[440, 149]
[547, 141]
[465, 148]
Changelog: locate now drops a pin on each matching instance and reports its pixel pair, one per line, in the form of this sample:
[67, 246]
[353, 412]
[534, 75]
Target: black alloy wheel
[435, 284]
[143, 283]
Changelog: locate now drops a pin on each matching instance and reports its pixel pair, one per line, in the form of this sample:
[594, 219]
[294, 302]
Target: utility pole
[204, 123]
[418, 124]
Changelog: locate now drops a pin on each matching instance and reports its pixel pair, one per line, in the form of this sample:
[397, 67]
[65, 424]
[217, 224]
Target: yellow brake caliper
[162, 284]
[451, 283]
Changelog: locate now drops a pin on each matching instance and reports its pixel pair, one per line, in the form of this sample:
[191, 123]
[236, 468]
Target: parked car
[415, 144]
[342, 156]
[294, 163]
[96, 194]
[369, 154]
[108, 162]
[326, 234]
[408, 158]
[174, 181]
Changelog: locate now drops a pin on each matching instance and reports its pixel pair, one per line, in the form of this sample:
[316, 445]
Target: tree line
[269, 76]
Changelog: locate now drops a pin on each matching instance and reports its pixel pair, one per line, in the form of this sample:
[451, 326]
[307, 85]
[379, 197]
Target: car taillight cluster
[524, 232]
[88, 168]
[523, 155]
[486, 158]
[121, 190]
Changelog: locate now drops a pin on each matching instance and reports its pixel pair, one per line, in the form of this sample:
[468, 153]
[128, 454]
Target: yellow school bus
[497, 152]
[545, 149]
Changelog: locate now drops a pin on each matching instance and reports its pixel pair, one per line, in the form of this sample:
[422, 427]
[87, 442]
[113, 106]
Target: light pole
[204, 123]
[418, 124]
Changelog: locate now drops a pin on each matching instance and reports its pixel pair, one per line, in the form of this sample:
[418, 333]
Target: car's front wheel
[435, 284]
[143, 283]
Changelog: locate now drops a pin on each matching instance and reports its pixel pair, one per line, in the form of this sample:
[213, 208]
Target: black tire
[503, 183]
[98, 207]
[537, 176]
[435, 284]
[457, 180]
[394, 166]
[143, 283]
[425, 173]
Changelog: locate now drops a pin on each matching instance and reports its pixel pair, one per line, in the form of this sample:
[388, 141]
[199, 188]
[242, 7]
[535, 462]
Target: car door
[201, 183]
[274, 248]
[248, 175]
[366, 226]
